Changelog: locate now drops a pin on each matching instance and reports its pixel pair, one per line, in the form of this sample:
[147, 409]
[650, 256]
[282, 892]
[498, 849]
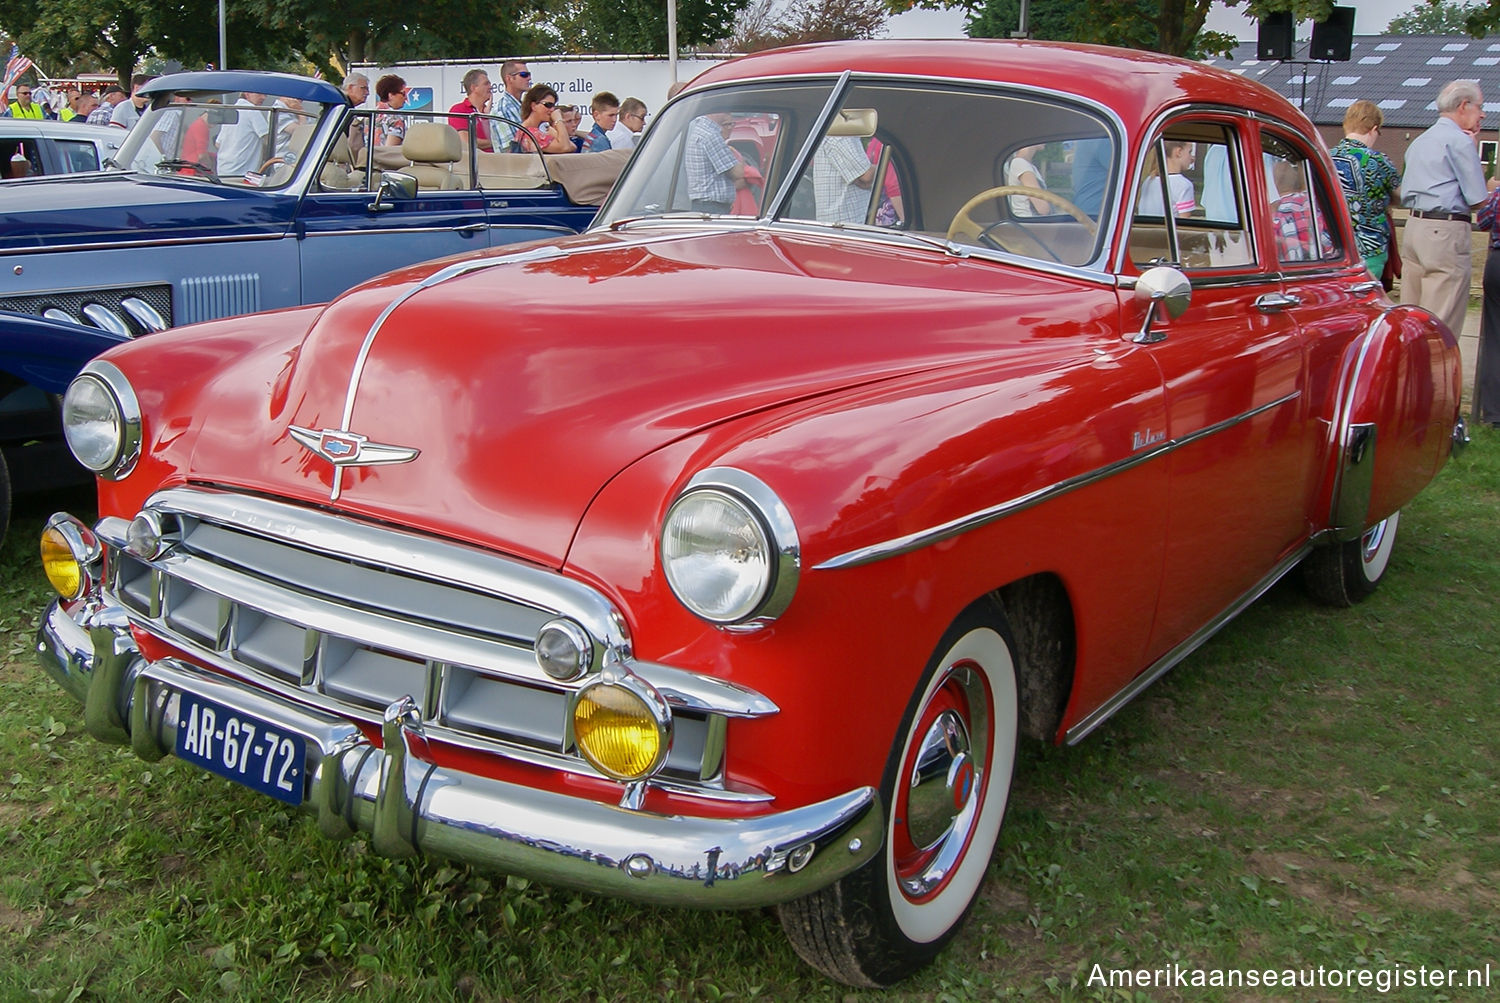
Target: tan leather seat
[336, 174]
[287, 165]
[433, 148]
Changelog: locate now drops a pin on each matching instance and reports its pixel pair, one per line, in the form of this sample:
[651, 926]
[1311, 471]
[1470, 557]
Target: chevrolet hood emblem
[350, 449]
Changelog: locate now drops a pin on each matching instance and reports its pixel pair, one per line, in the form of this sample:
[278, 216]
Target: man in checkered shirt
[713, 171]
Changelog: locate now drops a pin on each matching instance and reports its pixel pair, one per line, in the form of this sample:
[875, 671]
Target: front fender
[47, 353]
[1397, 405]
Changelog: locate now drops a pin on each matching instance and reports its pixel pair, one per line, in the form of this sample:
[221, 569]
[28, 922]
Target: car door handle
[1371, 286]
[1276, 302]
[472, 229]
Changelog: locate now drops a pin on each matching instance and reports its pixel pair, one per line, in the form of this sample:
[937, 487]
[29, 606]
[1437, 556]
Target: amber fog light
[622, 728]
[70, 553]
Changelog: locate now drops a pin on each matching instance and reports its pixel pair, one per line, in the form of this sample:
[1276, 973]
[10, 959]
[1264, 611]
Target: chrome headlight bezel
[113, 451]
[771, 521]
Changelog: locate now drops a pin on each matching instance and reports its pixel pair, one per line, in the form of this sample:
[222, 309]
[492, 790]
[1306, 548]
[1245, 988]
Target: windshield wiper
[193, 168]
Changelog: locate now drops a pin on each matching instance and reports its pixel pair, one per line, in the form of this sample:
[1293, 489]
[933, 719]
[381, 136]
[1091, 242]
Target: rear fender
[1396, 410]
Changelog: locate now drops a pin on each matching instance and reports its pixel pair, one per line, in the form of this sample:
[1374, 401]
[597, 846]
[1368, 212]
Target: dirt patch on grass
[15, 922]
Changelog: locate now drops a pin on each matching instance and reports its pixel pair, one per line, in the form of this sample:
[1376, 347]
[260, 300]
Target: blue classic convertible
[240, 191]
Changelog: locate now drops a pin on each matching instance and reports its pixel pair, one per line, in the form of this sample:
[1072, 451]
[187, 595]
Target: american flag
[15, 66]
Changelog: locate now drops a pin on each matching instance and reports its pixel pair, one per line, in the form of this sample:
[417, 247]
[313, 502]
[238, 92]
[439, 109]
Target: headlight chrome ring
[730, 550]
[102, 420]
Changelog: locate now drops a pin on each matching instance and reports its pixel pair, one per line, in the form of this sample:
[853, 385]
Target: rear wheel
[946, 788]
[1345, 573]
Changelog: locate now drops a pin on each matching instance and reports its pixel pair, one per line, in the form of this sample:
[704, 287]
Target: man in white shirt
[627, 130]
[127, 113]
[242, 143]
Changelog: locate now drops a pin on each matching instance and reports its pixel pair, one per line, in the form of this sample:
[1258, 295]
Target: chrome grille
[348, 623]
[73, 301]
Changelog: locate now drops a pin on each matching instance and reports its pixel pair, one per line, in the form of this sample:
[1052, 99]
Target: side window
[1190, 202]
[1301, 218]
[78, 156]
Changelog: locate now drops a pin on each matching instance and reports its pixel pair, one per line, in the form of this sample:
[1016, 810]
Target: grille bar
[322, 608]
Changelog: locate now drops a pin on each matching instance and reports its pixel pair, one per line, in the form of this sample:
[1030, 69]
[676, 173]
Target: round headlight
[102, 421]
[729, 548]
[717, 555]
[621, 730]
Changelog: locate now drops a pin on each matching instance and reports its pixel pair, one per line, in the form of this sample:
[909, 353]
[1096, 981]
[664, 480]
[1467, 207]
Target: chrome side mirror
[393, 185]
[1161, 286]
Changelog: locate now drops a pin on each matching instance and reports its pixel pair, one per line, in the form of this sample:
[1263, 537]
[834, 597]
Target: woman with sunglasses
[542, 129]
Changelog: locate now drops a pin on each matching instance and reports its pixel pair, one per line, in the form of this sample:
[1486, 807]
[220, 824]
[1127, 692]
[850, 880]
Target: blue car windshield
[225, 137]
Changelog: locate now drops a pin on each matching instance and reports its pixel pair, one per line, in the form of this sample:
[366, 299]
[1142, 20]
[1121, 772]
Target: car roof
[47, 128]
[283, 85]
[1136, 84]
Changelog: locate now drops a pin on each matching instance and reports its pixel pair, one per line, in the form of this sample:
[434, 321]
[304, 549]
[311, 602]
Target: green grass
[1312, 788]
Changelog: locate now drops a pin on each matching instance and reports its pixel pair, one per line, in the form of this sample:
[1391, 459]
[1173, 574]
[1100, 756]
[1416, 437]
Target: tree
[640, 26]
[762, 25]
[118, 33]
[332, 35]
[1437, 17]
[1174, 27]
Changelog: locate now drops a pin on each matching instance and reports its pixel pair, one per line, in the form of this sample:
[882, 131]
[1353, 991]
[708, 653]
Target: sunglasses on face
[525, 74]
[549, 104]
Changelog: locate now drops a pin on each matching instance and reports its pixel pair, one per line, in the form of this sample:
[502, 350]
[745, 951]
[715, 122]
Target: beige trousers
[1436, 266]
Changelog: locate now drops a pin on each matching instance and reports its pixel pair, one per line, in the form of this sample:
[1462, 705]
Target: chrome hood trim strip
[436, 278]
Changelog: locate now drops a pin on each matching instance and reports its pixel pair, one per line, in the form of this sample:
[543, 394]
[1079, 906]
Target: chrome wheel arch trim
[983, 517]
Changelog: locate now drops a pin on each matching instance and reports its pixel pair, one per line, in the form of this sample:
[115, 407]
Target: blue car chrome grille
[352, 636]
[73, 301]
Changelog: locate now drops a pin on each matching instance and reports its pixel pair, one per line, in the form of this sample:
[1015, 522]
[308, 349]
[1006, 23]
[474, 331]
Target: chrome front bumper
[409, 806]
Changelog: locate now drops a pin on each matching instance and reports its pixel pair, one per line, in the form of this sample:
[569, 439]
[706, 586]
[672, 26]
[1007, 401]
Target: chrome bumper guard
[409, 806]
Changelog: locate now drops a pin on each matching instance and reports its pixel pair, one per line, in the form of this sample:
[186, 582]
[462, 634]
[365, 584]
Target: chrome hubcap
[942, 781]
[943, 785]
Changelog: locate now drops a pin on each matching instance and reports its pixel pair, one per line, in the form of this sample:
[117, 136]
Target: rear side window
[1301, 217]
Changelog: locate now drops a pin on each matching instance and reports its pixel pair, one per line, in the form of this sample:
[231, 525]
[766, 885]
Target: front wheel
[1345, 573]
[946, 788]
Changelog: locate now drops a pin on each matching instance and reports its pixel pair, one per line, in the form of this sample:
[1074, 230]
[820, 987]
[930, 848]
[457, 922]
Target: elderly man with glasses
[1443, 179]
[515, 79]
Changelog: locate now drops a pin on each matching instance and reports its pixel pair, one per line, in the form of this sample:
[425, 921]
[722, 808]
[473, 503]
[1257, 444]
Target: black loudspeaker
[1275, 39]
[1333, 38]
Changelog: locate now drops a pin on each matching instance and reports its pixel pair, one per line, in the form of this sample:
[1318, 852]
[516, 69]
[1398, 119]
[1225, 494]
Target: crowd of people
[71, 103]
[529, 117]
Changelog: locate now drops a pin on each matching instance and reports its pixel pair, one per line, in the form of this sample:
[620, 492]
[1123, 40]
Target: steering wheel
[964, 227]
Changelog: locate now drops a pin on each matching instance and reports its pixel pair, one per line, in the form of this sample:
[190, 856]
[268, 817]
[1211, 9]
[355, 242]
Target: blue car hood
[103, 208]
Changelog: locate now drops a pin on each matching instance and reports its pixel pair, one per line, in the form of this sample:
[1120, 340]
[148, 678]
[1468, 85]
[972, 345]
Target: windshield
[1020, 172]
[226, 137]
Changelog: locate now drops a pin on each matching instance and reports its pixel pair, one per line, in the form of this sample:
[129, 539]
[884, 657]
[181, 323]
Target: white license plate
[241, 747]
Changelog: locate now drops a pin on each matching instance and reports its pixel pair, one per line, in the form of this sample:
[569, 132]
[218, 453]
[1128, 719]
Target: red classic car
[721, 554]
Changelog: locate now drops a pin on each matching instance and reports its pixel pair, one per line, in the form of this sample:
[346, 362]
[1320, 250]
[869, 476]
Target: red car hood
[527, 385]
